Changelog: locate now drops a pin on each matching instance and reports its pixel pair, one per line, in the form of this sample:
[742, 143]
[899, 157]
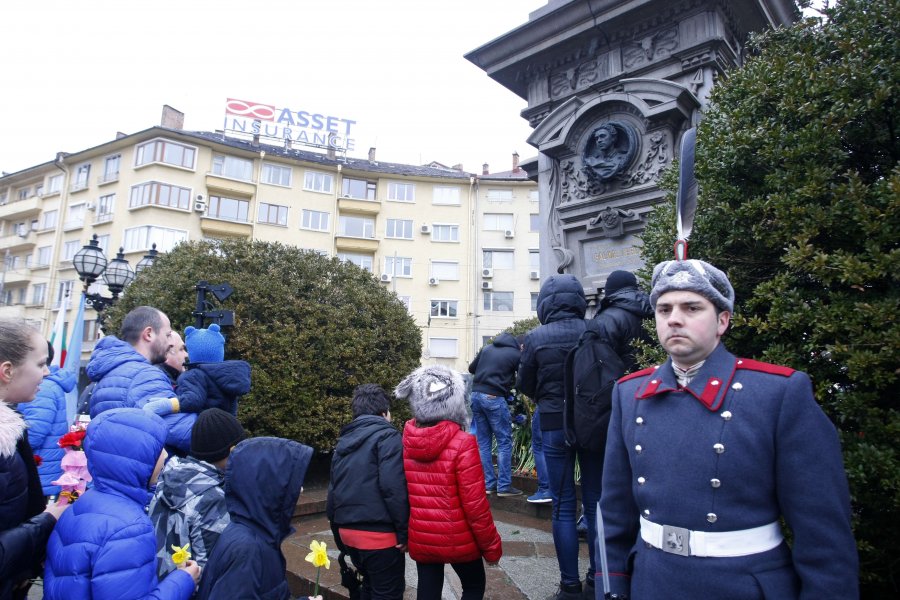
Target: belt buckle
[676, 540]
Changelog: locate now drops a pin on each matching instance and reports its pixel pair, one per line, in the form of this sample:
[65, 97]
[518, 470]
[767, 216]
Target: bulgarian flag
[74, 362]
[58, 337]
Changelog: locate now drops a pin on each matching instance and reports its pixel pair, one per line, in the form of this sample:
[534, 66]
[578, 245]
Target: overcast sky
[75, 73]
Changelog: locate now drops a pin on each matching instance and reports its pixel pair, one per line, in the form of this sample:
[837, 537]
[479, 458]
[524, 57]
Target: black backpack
[592, 368]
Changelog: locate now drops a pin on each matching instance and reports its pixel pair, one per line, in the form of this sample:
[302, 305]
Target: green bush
[800, 203]
[312, 329]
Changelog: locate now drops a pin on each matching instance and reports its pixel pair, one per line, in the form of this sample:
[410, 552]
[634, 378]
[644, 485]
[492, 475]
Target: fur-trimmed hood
[435, 394]
[11, 427]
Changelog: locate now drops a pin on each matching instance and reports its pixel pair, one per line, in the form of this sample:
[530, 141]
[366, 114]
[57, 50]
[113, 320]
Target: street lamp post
[90, 263]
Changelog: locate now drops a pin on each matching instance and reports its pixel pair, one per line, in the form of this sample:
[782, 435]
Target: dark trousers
[431, 580]
[383, 572]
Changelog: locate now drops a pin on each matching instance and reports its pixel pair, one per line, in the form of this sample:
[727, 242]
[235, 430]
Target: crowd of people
[706, 455]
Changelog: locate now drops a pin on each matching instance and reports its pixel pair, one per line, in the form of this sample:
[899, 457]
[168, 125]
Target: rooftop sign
[301, 126]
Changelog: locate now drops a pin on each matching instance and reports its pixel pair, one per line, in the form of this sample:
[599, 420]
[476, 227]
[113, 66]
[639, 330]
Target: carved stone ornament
[655, 161]
[609, 150]
[610, 221]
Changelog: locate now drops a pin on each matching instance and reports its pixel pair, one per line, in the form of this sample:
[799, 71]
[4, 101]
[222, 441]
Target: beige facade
[458, 249]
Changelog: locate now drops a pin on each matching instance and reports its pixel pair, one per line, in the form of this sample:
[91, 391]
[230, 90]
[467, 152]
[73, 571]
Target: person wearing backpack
[603, 355]
[561, 305]
[494, 370]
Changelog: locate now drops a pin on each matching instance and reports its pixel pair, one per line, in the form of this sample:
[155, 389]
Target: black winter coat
[494, 367]
[621, 318]
[560, 306]
[262, 484]
[367, 490]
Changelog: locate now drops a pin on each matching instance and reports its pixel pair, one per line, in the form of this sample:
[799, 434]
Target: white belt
[678, 540]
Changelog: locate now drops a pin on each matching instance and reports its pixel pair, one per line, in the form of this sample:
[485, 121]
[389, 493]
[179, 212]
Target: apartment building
[458, 249]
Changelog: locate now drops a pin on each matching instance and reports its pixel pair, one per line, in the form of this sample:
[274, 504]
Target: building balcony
[355, 244]
[13, 311]
[362, 207]
[17, 243]
[15, 276]
[78, 186]
[228, 187]
[213, 227]
[17, 209]
[107, 178]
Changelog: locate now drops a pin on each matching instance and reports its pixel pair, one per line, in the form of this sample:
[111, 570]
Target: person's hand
[401, 547]
[192, 569]
[56, 509]
[162, 406]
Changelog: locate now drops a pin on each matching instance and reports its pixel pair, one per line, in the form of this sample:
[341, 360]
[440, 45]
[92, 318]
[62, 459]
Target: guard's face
[688, 326]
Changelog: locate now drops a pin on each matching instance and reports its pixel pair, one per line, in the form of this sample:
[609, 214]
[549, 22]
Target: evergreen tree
[797, 160]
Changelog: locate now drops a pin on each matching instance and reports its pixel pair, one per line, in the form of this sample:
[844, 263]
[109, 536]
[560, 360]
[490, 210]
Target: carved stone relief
[657, 157]
[647, 48]
[610, 222]
[609, 151]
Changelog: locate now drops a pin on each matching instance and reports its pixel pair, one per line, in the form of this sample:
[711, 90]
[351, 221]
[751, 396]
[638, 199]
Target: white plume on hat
[435, 393]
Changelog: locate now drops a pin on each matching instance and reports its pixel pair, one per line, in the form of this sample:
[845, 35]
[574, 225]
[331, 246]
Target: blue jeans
[537, 450]
[561, 473]
[491, 417]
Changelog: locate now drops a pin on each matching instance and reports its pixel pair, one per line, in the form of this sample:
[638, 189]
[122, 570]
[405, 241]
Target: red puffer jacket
[449, 516]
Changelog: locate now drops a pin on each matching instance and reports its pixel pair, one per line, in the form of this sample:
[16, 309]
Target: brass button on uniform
[726, 415]
[715, 482]
[719, 448]
[638, 449]
[711, 517]
[639, 420]
[641, 480]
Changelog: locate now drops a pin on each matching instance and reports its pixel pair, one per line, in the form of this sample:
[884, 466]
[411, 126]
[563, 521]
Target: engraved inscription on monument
[604, 256]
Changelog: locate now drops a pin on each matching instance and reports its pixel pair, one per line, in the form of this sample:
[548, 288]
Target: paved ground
[528, 568]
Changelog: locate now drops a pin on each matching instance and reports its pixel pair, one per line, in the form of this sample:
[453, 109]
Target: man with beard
[126, 373]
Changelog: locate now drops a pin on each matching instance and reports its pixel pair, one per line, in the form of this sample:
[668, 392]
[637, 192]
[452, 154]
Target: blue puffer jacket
[46, 418]
[262, 484]
[126, 379]
[560, 307]
[105, 546]
[213, 385]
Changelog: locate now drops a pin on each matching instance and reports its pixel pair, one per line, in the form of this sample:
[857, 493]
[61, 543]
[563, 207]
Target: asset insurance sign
[301, 126]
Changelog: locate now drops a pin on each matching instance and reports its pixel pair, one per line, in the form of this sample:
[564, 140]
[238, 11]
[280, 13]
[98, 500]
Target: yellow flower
[180, 554]
[318, 557]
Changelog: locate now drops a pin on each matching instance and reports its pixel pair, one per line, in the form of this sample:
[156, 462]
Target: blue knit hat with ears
[204, 345]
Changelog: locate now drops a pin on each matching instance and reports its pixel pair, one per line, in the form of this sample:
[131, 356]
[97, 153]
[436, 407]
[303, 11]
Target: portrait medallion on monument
[609, 150]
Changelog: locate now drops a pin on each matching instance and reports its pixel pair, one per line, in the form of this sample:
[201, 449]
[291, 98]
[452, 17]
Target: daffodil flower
[180, 555]
[319, 558]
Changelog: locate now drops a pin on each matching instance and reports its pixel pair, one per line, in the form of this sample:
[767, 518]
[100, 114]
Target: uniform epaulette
[755, 365]
[640, 373]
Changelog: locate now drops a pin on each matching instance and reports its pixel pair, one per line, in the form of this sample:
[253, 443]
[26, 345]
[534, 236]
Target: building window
[25, 193]
[54, 184]
[498, 301]
[534, 297]
[364, 261]
[90, 333]
[406, 301]
[111, 168]
[229, 209]
[103, 243]
[166, 152]
[498, 259]
[443, 347]
[533, 195]
[81, 178]
[362, 227]
[399, 228]
[445, 270]
[498, 221]
[140, 238]
[534, 222]
[276, 174]
[401, 192]
[399, 266]
[232, 167]
[63, 289]
[314, 219]
[39, 293]
[20, 295]
[446, 195]
[75, 216]
[314, 181]
[445, 233]
[105, 206]
[272, 214]
[444, 308]
[154, 193]
[70, 248]
[50, 219]
[534, 260]
[499, 195]
[358, 188]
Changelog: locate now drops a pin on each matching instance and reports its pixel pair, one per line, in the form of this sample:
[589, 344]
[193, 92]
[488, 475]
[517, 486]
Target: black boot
[569, 591]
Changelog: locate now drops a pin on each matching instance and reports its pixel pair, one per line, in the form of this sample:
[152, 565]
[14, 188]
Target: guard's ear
[6, 372]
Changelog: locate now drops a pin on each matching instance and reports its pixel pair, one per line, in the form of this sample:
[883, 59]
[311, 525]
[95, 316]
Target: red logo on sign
[251, 110]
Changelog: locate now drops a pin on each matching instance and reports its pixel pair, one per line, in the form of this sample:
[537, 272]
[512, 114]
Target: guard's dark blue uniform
[742, 446]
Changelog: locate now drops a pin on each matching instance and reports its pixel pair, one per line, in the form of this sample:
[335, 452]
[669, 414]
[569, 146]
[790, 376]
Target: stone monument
[611, 86]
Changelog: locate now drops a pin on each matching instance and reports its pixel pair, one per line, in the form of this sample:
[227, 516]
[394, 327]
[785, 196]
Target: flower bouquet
[75, 475]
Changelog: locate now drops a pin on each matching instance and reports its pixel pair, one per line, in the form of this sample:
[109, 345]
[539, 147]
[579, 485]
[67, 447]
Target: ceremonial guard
[709, 456]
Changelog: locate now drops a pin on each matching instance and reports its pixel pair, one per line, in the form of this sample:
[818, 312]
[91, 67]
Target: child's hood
[425, 444]
[232, 377]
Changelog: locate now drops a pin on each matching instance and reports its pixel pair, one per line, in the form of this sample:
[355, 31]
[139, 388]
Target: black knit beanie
[214, 434]
[618, 280]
